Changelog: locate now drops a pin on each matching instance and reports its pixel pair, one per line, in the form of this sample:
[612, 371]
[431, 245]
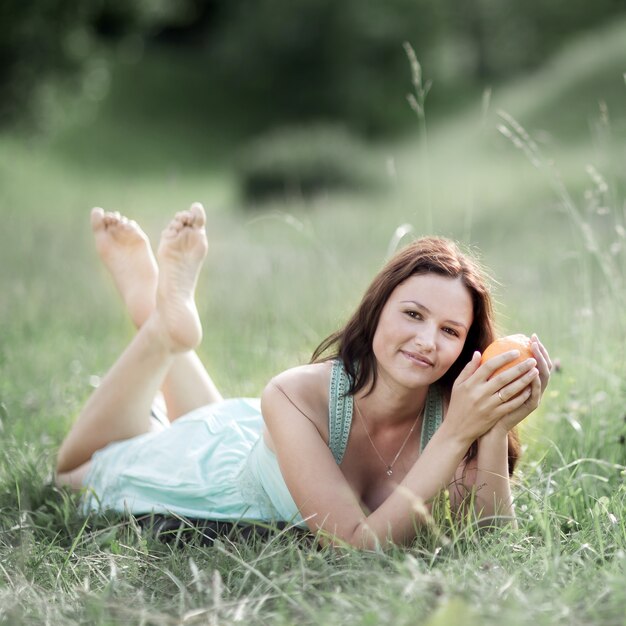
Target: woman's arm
[490, 476]
[323, 495]
[325, 499]
[493, 499]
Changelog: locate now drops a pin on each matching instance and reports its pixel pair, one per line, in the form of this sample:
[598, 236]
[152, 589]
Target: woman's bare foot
[125, 251]
[181, 251]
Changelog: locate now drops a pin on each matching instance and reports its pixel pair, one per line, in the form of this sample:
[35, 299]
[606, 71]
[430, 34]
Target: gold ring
[500, 396]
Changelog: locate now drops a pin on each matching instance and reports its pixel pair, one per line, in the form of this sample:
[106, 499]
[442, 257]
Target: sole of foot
[181, 251]
[125, 251]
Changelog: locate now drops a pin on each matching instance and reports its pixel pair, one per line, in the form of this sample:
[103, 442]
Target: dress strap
[433, 414]
[340, 406]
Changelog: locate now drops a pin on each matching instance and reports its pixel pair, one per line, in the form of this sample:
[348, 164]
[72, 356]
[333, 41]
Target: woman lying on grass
[351, 445]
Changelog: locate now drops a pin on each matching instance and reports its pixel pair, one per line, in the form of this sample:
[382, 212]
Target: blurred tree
[321, 59]
[279, 62]
[276, 62]
[42, 41]
[505, 37]
[34, 40]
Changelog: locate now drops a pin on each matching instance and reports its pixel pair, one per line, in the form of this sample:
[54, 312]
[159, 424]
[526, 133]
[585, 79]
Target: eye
[416, 315]
[451, 331]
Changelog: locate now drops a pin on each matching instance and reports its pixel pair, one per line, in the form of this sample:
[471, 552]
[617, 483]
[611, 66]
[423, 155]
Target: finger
[493, 364]
[543, 363]
[470, 368]
[542, 349]
[513, 373]
[537, 389]
[544, 375]
[518, 385]
[518, 400]
[535, 394]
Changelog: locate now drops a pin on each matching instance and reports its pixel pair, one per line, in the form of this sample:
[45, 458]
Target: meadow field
[531, 176]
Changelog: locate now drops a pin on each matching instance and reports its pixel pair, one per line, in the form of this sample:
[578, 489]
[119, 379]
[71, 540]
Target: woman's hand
[537, 387]
[478, 401]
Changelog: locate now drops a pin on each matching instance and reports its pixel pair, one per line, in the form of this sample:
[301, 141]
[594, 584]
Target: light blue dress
[214, 464]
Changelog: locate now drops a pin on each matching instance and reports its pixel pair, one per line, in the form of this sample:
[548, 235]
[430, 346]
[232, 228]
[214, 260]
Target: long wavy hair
[437, 255]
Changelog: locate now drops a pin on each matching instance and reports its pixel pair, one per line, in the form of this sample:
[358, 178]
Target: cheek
[382, 336]
[453, 353]
[378, 343]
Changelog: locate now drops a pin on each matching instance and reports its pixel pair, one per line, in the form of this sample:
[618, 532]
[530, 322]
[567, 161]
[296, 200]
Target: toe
[97, 217]
[178, 222]
[170, 230]
[197, 213]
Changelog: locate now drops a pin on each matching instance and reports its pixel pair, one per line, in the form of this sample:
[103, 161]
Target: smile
[417, 359]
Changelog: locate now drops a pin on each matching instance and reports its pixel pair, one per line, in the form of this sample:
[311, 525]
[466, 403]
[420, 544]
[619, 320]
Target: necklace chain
[388, 466]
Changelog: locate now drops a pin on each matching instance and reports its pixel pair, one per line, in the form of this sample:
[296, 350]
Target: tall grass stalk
[417, 101]
[606, 249]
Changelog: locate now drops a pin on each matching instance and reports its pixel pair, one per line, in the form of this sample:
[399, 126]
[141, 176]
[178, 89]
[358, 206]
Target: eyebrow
[425, 308]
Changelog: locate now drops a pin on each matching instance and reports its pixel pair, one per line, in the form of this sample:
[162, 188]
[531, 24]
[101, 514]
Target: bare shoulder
[306, 388]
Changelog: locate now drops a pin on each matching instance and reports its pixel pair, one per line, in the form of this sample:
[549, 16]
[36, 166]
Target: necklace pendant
[389, 470]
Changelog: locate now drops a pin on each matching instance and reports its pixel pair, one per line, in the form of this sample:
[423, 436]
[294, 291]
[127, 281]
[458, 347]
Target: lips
[417, 358]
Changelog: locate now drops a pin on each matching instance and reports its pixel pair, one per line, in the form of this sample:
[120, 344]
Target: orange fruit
[504, 344]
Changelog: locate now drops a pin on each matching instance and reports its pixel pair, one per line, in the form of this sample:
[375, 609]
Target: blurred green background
[290, 122]
[226, 70]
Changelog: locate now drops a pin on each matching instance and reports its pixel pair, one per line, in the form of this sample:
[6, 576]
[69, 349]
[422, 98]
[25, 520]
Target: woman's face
[422, 329]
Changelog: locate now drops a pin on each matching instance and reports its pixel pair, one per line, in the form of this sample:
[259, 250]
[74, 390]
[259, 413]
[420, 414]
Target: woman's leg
[120, 407]
[125, 251]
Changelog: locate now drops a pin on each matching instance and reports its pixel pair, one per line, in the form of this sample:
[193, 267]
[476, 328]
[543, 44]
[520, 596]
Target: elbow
[357, 536]
[364, 537]
[496, 518]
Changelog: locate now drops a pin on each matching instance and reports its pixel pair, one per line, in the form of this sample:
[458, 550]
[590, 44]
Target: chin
[420, 379]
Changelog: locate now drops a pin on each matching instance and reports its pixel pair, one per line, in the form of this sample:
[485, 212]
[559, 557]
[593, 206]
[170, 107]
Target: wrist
[453, 438]
[497, 434]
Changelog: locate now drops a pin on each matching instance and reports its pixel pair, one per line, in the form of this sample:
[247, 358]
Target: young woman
[393, 408]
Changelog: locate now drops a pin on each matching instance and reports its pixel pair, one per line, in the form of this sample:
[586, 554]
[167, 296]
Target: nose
[425, 338]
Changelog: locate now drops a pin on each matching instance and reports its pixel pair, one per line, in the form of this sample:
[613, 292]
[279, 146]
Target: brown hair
[353, 343]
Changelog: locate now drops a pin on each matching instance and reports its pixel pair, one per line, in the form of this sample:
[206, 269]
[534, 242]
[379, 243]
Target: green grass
[61, 324]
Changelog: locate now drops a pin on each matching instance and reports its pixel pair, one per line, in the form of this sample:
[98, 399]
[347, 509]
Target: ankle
[156, 333]
[139, 315]
[173, 334]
